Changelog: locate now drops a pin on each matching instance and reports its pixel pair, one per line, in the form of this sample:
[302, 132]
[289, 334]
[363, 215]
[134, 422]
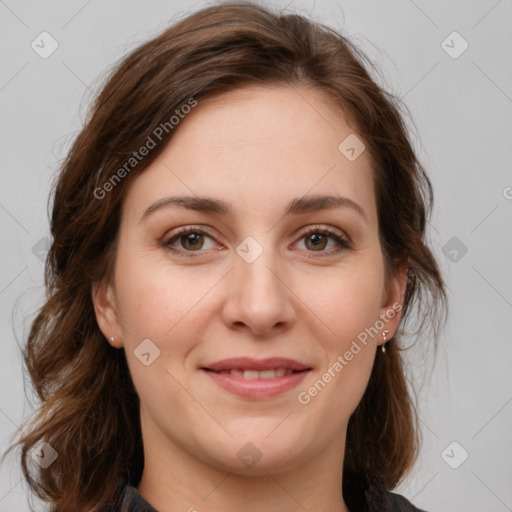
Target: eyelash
[341, 241]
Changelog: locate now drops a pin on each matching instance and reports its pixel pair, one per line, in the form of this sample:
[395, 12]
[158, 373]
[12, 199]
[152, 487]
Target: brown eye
[192, 241]
[187, 241]
[317, 239]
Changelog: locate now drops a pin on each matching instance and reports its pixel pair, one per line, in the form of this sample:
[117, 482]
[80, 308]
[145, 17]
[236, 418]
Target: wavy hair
[89, 408]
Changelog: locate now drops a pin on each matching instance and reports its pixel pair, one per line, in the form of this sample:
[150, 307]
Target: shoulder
[383, 501]
[132, 501]
[397, 503]
[374, 498]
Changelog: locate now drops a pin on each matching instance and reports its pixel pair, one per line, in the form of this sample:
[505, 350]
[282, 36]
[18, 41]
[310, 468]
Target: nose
[258, 297]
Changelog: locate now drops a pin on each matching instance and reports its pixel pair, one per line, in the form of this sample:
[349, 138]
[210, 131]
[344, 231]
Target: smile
[257, 385]
[254, 374]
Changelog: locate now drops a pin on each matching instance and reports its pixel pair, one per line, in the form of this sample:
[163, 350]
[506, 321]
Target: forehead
[257, 147]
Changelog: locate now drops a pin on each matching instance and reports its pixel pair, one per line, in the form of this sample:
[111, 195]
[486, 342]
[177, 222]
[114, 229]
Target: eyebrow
[296, 206]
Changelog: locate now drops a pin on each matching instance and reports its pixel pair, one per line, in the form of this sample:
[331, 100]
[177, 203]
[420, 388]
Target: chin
[257, 455]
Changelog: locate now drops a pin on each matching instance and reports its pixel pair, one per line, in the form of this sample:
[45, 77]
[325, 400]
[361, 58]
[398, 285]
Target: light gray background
[462, 110]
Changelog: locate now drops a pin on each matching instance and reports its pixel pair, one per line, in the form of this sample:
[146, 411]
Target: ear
[103, 298]
[393, 301]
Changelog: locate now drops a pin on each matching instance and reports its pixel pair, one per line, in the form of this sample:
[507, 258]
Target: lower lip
[257, 388]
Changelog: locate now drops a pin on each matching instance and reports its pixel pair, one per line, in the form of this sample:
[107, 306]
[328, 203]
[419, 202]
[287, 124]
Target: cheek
[155, 299]
[348, 301]
[348, 305]
[166, 305]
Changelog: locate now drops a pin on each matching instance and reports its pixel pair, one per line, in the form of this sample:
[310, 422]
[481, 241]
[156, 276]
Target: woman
[238, 235]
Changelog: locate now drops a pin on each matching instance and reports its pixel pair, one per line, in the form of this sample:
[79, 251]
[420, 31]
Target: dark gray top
[390, 502]
[132, 501]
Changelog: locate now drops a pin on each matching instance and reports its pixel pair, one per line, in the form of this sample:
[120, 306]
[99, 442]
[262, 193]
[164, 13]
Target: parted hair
[88, 408]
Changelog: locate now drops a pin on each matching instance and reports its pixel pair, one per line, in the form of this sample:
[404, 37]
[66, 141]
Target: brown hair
[89, 410]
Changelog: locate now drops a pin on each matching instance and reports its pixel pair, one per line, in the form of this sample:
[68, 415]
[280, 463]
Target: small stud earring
[384, 335]
[111, 339]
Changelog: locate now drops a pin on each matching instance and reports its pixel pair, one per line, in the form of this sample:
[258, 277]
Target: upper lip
[248, 363]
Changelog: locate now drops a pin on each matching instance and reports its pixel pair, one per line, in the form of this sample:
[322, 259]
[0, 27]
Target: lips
[247, 364]
[257, 378]
[254, 374]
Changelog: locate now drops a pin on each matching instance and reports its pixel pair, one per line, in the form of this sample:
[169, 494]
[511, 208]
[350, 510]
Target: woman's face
[249, 281]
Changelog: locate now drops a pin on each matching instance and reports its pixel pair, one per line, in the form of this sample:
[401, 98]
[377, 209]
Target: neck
[174, 479]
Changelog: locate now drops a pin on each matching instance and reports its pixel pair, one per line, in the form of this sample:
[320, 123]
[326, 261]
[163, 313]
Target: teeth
[265, 374]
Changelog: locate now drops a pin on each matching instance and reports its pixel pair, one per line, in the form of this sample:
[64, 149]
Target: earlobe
[103, 299]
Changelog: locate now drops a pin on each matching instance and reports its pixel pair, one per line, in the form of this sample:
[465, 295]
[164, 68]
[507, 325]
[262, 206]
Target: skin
[256, 148]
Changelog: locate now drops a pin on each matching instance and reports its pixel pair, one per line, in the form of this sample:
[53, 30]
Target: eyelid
[342, 240]
[340, 237]
[175, 235]
[333, 231]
